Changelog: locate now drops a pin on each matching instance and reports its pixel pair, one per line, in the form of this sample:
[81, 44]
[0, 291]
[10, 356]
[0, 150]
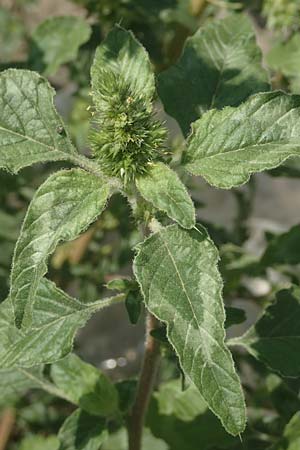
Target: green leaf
[291, 435]
[31, 131]
[170, 418]
[185, 405]
[178, 274]
[234, 316]
[133, 303]
[57, 40]
[12, 32]
[56, 319]
[14, 384]
[85, 385]
[9, 226]
[119, 441]
[220, 66]
[275, 338]
[61, 209]
[81, 431]
[39, 443]
[121, 54]
[283, 249]
[227, 146]
[162, 187]
[285, 57]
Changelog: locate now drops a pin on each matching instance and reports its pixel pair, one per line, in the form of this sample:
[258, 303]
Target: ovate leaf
[61, 209]
[227, 146]
[275, 338]
[31, 131]
[122, 55]
[291, 435]
[220, 66]
[178, 274]
[57, 40]
[162, 187]
[56, 319]
[81, 431]
[283, 249]
[85, 385]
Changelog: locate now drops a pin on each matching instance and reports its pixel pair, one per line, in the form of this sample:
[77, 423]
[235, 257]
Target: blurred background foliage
[258, 256]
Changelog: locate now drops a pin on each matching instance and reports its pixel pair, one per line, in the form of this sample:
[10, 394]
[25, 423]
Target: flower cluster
[125, 136]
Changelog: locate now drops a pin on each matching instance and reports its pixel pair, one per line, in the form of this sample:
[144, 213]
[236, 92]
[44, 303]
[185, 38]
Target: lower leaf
[81, 431]
[178, 274]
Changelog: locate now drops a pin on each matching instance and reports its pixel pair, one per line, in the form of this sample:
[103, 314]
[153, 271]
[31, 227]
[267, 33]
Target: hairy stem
[145, 386]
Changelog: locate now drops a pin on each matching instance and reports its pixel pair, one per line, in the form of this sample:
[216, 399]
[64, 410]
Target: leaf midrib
[208, 361]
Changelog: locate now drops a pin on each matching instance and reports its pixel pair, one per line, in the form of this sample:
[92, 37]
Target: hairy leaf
[61, 209]
[81, 431]
[56, 319]
[31, 131]
[162, 187]
[220, 66]
[283, 249]
[121, 54]
[227, 146]
[178, 274]
[57, 40]
[275, 338]
[85, 385]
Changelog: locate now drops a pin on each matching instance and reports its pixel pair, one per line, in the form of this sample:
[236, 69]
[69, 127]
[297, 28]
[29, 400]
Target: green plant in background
[234, 126]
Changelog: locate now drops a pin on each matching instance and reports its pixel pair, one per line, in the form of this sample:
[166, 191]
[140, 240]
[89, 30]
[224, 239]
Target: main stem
[145, 386]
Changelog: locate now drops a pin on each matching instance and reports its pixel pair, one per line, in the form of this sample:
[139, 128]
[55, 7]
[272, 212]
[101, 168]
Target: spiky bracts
[125, 136]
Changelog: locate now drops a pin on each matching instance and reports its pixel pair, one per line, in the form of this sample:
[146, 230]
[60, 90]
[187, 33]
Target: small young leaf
[227, 146]
[61, 209]
[58, 40]
[283, 249]
[275, 338]
[220, 66]
[120, 284]
[162, 187]
[85, 385]
[133, 303]
[29, 123]
[56, 319]
[125, 57]
[234, 316]
[178, 274]
[81, 431]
